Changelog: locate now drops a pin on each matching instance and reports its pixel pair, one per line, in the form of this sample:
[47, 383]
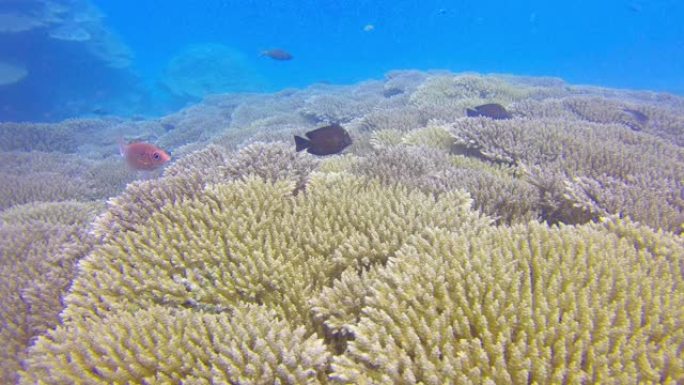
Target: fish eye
[156, 156]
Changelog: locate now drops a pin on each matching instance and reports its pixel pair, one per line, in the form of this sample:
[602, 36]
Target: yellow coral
[161, 345]
[520, 305]
[247, 241]
[432, 136]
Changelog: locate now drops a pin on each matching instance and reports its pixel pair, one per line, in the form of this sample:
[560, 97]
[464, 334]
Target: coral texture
[238, 243]
[519, 305]
[437, 249]
[39, 247]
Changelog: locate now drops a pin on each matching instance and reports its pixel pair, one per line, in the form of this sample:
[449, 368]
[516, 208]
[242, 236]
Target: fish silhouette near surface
[492, 110]
[325, 140]
[143, 156]
[277, 54]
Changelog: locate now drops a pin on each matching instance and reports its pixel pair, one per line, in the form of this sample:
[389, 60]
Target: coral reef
[585, 170]
[248, 345]
[205, 69]
[588, 307]
[435, 249]
[40, 245]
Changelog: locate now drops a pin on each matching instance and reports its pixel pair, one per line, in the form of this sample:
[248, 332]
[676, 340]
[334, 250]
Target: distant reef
[75, 64]
[543, 247]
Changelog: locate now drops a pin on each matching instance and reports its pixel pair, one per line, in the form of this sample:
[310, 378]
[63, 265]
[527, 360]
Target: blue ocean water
[634, 44]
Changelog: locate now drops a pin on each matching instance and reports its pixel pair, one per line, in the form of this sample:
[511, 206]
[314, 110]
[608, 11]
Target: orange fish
[143, 156]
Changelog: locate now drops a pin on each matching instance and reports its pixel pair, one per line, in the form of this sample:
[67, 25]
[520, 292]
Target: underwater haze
[341, 192]
[149, 57]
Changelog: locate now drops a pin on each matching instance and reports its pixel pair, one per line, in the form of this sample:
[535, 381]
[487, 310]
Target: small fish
[368, 27]
[277, 54]
[143, 156]
[492, 110]
[325, 140]
[634, 7]
[638, 115]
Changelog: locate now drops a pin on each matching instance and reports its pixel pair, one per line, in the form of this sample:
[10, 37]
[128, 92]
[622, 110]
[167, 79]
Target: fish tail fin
[471, 112]
[301, 143]
[122, 146]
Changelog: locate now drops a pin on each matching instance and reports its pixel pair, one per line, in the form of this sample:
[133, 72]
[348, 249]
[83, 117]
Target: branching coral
[337, 223]
[402, 164]
[602, 168]
[62, 137]
[247, 241]
[344, 105]
[257, 264]
[527, 304]
[36, 137]
[401, 119]
[250, 344]
[39, 246]
[42, 186]
[446, 96]
[187, 178]
[271, 161]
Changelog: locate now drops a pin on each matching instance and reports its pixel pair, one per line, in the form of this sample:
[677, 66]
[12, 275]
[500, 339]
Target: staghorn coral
[258, 107]
[385, 138]
[246, 345]
[585, 169]
[500, 195]
[39, 247]
[272, 162]
[446, 96]
[242, 242]
[204, 163]
[402, 82]
[51, 213]
[344, 105]
[65, 136]
[402, 164]
[401, 119]
[187, 178]
[210, 242]
[36, 137]
[497, 190]
[636, 114]
[433, 136]
[519, 305]
[53, 176]
[18, 163]
[141, 199]
[337, 223]
[42, 186]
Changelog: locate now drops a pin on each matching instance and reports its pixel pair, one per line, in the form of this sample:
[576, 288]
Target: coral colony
[461, 229]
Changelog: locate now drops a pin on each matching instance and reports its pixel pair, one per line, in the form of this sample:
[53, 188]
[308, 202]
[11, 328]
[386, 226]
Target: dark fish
[168, 126]
[326, 140]
[277, 54]
[634, 7]
[389, 92]
[637, 115]
[491, 110]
